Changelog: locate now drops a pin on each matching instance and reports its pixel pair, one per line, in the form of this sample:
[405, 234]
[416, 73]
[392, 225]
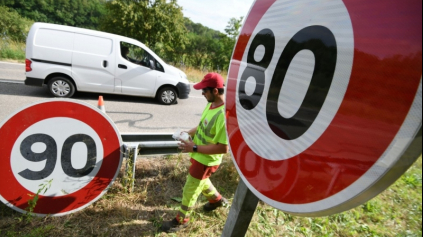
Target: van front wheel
[61, 87]
[167, 96]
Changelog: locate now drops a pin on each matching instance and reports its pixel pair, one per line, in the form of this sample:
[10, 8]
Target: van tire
[61, 87]
[167, 96]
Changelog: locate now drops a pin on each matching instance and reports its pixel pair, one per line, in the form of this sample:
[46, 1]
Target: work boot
[213, 206]
[173, 226]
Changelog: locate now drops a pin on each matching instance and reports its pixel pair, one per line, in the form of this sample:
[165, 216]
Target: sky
[215, 14]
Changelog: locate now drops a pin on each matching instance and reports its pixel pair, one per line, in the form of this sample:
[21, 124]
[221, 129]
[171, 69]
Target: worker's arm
[192, 132]
[212, 149]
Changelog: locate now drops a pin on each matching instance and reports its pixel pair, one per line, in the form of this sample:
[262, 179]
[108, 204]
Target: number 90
[50, 156]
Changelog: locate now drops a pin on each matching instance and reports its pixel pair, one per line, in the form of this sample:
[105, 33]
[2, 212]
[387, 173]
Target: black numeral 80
[319, 40]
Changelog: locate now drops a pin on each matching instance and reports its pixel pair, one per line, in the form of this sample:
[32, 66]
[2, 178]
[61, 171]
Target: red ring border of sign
[290, 191]
[62, 205]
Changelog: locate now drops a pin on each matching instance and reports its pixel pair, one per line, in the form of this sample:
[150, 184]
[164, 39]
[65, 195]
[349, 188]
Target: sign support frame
[242, 211]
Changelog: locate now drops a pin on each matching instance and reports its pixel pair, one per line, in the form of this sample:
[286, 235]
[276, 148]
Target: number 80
[319, 40]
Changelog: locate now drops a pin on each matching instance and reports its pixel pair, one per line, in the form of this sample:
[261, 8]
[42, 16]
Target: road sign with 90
[71, 143]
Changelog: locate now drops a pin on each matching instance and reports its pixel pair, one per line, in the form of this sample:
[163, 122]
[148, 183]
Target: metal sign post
[241, 213]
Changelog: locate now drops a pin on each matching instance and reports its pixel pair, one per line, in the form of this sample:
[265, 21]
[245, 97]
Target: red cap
[212, 80]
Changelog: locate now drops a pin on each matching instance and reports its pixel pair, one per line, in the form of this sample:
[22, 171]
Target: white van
[70, 59]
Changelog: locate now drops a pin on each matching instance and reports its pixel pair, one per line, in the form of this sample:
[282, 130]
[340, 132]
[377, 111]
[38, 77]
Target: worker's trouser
[198, 181]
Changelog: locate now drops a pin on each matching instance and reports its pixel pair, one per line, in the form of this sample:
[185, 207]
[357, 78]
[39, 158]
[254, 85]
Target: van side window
[138, 55]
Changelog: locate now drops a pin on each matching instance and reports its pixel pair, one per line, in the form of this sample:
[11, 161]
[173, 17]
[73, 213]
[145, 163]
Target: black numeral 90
[319, 40]
[50, 156]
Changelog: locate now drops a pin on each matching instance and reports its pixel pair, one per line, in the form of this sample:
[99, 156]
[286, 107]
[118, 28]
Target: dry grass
[196, 75]
[396, 212]
[118, 213]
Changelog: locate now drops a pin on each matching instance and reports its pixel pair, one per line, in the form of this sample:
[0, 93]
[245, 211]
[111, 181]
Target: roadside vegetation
[159, 182]
[12, 51]
[13, 31]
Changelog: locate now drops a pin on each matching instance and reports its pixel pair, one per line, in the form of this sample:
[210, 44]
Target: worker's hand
[186, 146]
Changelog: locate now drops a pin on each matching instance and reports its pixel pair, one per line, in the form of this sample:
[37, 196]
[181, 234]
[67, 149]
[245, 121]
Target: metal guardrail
[147, 144]
[152, 144]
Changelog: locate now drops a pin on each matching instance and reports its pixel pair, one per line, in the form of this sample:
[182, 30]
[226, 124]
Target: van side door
[134, 74]
[93, 63]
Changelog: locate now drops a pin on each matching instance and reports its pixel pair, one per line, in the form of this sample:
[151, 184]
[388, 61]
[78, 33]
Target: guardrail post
[131, 153]
[145, 144]
[126, 155]
[133, 166]
[242, 210]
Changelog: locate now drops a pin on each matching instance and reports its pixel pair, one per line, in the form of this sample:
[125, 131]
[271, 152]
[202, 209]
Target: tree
[159, 24]
[207, 47]
[80, 13]
[197, 49]
[233, 27]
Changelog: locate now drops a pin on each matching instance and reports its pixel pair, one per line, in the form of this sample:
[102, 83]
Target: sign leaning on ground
[67, 143]
[324, 101]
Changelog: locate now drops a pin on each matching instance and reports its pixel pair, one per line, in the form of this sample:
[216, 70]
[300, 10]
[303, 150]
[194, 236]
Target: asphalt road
[130, 114]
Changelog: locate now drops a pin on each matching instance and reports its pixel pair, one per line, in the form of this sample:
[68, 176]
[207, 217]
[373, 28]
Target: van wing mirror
[152, 65]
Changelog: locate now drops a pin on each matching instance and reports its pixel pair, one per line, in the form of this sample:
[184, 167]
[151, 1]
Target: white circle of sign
[285, 19]
[63, 184]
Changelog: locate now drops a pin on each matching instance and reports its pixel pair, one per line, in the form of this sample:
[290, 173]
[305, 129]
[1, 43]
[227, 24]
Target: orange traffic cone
[101, 104]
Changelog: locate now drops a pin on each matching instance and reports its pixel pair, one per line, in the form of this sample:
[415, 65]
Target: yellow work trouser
[192, 189]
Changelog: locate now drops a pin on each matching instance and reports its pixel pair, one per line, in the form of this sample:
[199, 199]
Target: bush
[13, 27]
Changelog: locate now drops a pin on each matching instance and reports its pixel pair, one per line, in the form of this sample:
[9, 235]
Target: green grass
[395, 212]
[159, 181]
[12, 51]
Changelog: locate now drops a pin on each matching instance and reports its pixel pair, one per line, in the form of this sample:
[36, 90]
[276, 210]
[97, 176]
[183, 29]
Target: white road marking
[11, 81]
